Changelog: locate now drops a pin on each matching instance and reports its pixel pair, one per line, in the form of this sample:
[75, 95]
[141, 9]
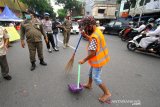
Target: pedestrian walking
[97, 55]
[47, 25]
[4, 41]
[32, 29]
[67, 25]
[55, 26]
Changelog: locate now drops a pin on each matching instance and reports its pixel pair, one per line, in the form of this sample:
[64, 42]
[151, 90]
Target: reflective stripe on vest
[101, 56]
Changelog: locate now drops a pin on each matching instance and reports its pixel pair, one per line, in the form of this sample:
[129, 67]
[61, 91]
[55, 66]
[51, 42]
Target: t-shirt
[92, 45]
[3, 36]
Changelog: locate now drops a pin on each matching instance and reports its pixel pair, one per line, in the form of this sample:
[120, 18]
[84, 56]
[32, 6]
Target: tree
[61, 13]
[119, 1]
[72, 5]
[40, 6]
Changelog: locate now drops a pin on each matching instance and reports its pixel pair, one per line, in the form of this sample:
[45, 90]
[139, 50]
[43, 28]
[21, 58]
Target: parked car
[114, 27]
[75, 28]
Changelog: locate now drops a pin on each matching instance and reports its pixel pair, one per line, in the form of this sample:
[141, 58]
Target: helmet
[158, 21]
[88, 21]
[46, 14]
[151, 20]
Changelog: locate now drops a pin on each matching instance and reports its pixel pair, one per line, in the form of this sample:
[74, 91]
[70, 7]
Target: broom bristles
[69, 65]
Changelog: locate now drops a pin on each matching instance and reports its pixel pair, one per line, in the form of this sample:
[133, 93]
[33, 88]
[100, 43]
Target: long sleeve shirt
[154, 33]
[67, 24]
[142, 27]
[3, 37]
[32, 30]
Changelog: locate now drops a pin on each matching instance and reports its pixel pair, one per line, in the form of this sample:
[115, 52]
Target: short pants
[95, 73]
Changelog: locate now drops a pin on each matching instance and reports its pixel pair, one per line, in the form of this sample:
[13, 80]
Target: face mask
[28, 16]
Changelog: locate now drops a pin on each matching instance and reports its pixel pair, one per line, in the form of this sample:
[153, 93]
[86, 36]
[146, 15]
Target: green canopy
[77, 17]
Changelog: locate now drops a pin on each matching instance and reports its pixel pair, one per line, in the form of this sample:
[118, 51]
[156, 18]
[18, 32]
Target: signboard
[13, 34]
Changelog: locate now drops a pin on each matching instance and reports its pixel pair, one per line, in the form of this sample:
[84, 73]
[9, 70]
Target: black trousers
[4, 65]
[50, 40]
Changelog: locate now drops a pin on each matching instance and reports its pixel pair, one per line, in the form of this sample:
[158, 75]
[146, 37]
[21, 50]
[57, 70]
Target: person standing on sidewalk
[97, 55]
[67, 25]
[32, 29]
[4, 41]
[47, 25]
[55, 26]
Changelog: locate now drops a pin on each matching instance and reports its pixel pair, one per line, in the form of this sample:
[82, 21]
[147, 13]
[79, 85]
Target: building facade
[88, 7]
[104, 9]
[140, 7]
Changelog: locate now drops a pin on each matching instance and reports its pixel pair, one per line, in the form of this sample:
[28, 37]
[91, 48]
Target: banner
[13, 34]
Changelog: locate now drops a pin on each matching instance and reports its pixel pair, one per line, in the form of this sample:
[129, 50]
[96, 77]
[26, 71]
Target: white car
[75, 28]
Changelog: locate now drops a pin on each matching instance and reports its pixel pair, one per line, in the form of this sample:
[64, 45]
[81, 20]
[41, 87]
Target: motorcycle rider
[135, 31]
[150, 23]
[151, 36]
[141, 27]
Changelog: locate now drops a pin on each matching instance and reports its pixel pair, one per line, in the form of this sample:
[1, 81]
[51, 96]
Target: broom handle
[78, 44]
[79, 70]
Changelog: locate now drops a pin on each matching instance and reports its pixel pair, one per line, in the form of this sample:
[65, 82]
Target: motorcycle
[124, 32]
[152, 48]
[130, 35]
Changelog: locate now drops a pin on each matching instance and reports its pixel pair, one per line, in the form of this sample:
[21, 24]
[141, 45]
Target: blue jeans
[95, 73]
[55, 35]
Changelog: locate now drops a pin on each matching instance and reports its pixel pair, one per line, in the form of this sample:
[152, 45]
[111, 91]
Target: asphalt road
[132, 77]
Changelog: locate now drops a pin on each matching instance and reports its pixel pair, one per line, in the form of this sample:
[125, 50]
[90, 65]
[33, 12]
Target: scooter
[152, 48]
[124, 31]
[129, 35]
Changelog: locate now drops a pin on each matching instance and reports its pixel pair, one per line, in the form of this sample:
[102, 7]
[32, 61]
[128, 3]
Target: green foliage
[61, 13]
[40, 6]
[119, 1]
[73, 5]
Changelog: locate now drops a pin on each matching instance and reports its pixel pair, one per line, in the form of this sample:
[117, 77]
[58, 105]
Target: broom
[69, 65]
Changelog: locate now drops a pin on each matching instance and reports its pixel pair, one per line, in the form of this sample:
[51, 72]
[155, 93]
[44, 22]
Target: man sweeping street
[33, 30]
[97, 55]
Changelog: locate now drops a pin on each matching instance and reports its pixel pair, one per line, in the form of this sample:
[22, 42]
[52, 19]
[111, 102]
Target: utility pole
[141, 12]
[135, 9]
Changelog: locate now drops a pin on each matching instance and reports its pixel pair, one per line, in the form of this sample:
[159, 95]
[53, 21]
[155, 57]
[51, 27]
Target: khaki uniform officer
[67, 25]
[32, 29]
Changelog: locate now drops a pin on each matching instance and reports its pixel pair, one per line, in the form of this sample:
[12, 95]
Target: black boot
[7, 77]
[33, 66]
[42, 62]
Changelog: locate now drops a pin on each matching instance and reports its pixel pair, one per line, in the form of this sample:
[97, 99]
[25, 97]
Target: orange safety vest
[102, 56]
